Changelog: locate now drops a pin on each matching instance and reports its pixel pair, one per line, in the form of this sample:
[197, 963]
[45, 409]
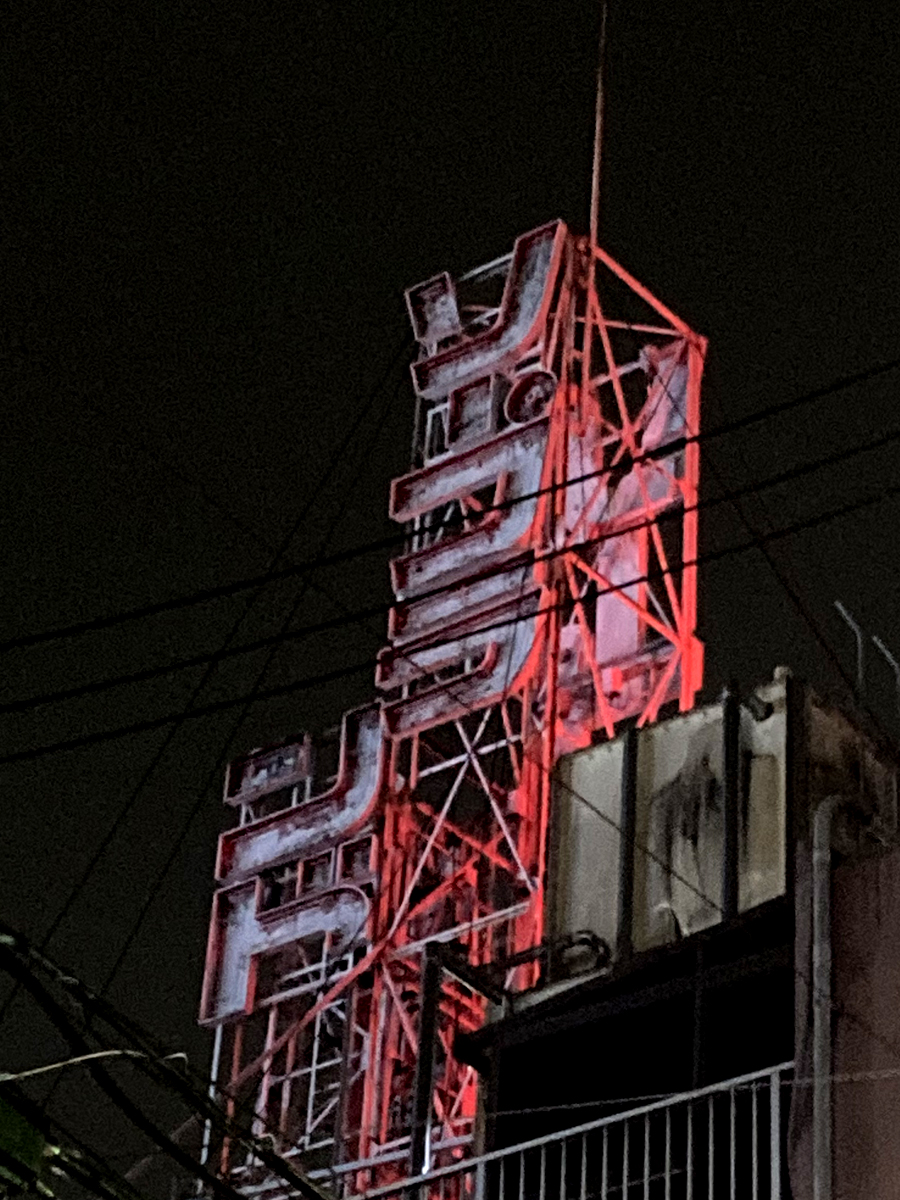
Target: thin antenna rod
[598, 131]
[892, 663]
[860, 649]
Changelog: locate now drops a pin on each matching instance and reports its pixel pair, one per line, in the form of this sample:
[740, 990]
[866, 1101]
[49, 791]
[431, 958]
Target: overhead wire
[782, 533]
[662, 863]
[215, 771]
[150, 1056]
[64, 1155]
[178, 841]
[224, 755]
[151, 1051]
[794, 595]
[174, 723]
[206, 595]
[226, 751]
[252, 696]
[83, 1164]
[378, 635]
[756, 535]
[756, 542]
[37, 752]
[875, 1075]
[27, 703]
[64, 1022]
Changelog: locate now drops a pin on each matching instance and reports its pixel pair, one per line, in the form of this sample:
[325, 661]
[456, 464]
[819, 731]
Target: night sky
[209, 219]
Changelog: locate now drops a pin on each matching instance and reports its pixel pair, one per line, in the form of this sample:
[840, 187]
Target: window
[279, 886]
[290, 967]
[356, 859]
[316, 873]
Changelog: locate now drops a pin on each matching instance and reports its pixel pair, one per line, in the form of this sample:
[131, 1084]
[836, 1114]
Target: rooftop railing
[722, 1142]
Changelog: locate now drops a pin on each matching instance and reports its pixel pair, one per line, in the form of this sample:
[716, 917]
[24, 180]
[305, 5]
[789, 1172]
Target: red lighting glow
[542, 600]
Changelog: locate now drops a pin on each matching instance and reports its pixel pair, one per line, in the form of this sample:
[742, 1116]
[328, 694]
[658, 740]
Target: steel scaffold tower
[555, 463]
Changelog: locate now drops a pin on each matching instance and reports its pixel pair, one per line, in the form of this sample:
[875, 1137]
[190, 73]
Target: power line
[552, 775]
[149, 1055]
[872, 1076]
[287, 689]
[207, 595]
[756, 540]
[781, 533]
[211, 778]
[28, 703]
[226, 750]
[70, 1156]
[126, 1105]
[795, 597]
[646, 850]
[175, 722]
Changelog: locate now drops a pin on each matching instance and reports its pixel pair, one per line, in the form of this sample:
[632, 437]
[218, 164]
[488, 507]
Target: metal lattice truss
[547, 593]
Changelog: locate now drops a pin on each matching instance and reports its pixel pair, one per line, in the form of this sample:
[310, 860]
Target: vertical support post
[627, 823]
[895, 667]
[699, 980]
[856, 630]
[340, 1111]
[480, 1179]
[892, 663]
[490, 1101]
[420, 1149]
[823, 1059]
[775, 1135]
[237, 1047]
[211, 1093]
[732, 1144]
[731, 732]
[692, 650]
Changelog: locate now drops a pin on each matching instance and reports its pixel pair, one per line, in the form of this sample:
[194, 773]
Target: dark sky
[209, 219]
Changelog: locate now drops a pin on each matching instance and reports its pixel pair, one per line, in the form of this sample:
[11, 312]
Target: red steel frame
[542, 600]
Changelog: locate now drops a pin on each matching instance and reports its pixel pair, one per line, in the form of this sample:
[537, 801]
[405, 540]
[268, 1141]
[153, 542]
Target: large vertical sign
[548, 593]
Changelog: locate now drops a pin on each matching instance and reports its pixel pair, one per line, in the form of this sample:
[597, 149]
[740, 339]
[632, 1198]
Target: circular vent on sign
[530, 396]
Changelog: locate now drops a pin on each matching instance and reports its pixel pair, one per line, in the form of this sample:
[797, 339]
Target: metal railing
[722, 1142]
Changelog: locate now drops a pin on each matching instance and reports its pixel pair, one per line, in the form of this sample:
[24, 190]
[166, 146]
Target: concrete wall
[866, 947]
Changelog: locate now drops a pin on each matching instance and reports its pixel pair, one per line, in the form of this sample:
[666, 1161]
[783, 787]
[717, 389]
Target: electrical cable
[226, 751]
[660, 862]
[793, 594]
[190, 819]
[101, 736]
[87, 1167]
[74, 1160]
[665, 866]
[152, 1051]
[215, 593]
[28, 703]
[149, 1055]
[378, 636]
[755, 542]
[756, 538]
[214, 773]
[780, 533]
[872, 1076]
[174, 724]
[63, 1022]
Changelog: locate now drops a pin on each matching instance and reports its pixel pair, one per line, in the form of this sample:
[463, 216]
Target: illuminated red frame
[549, 602]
